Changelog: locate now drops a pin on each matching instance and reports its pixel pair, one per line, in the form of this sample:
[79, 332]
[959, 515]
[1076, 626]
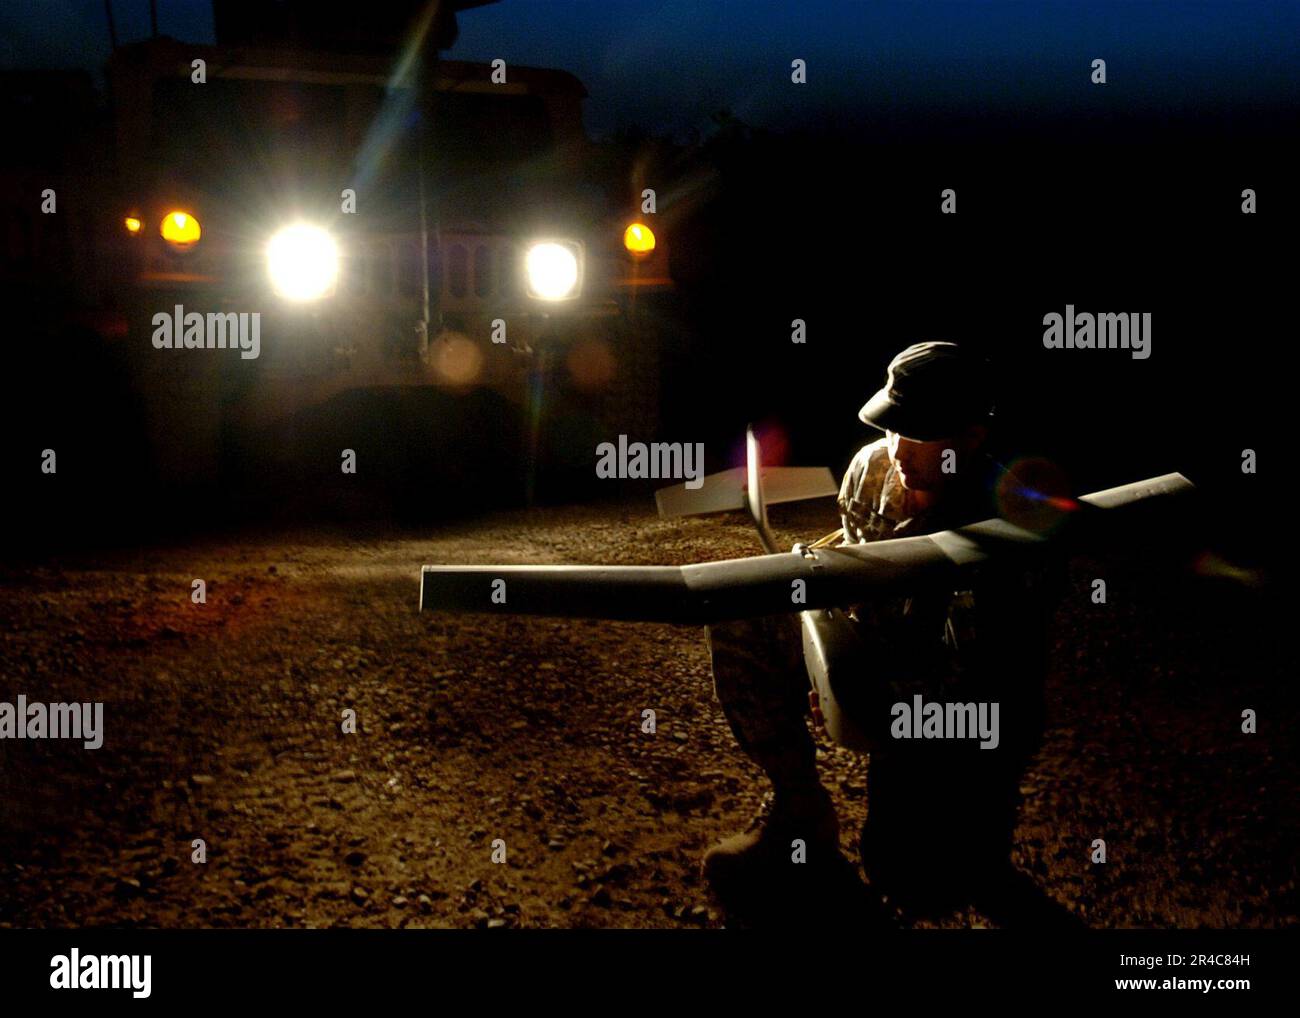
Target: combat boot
[796, 837]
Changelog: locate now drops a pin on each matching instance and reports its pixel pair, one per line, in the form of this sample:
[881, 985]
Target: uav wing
[762, 585]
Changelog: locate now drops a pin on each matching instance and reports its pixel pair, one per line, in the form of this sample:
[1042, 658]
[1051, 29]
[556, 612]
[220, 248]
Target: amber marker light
[180, 228]
[132, 225]
[639, 239]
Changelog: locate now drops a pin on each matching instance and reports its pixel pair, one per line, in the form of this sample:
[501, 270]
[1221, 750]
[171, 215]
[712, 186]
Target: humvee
[429, 254]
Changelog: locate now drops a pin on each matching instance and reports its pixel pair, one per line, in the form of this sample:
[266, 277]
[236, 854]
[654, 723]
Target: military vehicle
[429, 259]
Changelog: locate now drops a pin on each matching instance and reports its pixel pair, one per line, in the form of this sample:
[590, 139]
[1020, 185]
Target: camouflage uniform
[980, 644]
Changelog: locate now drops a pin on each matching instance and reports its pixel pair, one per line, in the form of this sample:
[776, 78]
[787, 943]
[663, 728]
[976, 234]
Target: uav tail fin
[730, 489]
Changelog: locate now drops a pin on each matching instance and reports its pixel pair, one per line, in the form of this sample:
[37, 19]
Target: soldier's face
[930, 466]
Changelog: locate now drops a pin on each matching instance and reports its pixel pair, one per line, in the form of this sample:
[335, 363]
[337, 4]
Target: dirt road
[224, 722]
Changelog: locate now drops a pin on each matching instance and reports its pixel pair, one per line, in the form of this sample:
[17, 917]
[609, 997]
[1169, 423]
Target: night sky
[667, 67]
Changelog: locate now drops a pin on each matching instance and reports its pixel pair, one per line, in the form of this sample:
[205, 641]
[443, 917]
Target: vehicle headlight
[180, 229]
[303, 262]
[552, 270]
[639, 239]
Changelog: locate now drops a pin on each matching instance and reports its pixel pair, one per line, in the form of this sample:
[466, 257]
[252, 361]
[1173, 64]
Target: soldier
[941, 813]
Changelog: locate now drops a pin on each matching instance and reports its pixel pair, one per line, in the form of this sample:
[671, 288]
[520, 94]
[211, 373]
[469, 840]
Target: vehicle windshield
[254, 136]
[278, 139]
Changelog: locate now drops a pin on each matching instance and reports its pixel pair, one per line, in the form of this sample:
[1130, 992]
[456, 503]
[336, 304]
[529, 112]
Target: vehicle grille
[476, 270]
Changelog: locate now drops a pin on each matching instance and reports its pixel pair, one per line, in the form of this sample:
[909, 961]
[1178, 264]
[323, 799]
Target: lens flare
[591, 364]
[457, 359]
[1034, 493]
[1211, 564]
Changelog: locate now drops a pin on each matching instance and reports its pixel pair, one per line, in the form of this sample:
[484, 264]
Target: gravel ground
[224, 723]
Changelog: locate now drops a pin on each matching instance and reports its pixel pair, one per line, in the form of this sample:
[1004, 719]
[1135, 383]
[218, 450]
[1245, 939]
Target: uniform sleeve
[859, 488]
[847, 486]
[850, 482]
